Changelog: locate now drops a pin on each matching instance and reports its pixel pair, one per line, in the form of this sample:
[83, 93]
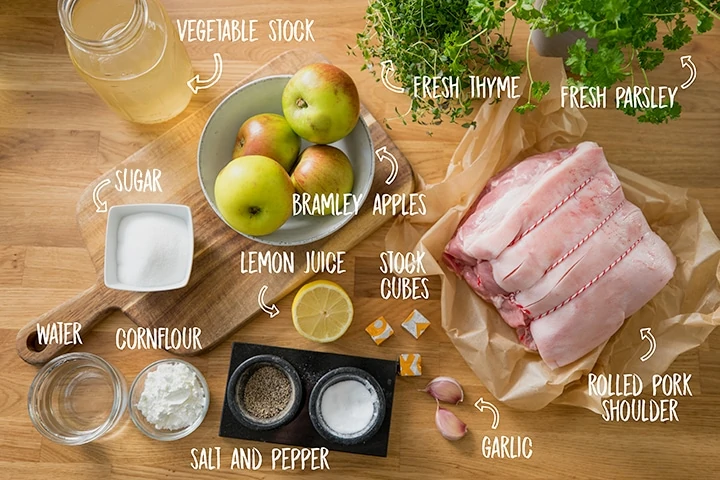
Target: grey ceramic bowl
[218, 139]
[330, 379]
[236, 387]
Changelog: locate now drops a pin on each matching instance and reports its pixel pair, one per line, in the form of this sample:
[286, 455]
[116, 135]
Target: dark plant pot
[557, 45]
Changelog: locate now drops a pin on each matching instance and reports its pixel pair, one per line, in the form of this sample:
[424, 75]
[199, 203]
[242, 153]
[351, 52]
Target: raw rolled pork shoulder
[563, 256]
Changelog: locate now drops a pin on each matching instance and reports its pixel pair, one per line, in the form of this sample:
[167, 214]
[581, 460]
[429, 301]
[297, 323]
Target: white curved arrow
[482, 405]
[271, 310]
[383, 154]
[686, 61]
[646, 334]
[196, 84]
[388, 69]
[101, 206]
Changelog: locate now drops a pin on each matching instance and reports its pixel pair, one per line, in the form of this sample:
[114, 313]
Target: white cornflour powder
[172, 397]
[152, 249]
[348, 407]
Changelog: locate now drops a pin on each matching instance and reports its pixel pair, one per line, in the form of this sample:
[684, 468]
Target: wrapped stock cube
[379, 330]
[410, 364]
[416, 324]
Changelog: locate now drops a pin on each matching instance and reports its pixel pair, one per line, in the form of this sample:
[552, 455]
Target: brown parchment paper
[681, 316]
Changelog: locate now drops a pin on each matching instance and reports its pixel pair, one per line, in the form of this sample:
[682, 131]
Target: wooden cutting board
[218, 298]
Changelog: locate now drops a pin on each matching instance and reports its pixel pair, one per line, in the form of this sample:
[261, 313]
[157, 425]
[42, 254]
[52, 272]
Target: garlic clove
[450, 426]
[445, 389]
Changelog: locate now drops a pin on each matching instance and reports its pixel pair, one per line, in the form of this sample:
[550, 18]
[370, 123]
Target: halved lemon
[322, 311]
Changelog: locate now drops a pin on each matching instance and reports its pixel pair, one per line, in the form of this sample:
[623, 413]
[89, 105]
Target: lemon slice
[322, 311]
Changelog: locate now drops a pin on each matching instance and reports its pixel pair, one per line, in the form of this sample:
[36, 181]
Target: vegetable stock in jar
[129, 52]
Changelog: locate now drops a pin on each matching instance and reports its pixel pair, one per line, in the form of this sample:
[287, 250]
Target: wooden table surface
[56, 136]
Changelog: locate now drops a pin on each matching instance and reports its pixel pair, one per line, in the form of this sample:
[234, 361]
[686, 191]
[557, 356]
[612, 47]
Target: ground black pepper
[267, 392]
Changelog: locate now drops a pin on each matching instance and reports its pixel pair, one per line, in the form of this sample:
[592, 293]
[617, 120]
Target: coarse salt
[152, 250]
[348, 407]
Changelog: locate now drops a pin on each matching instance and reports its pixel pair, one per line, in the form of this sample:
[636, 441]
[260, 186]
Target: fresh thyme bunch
[461, 38]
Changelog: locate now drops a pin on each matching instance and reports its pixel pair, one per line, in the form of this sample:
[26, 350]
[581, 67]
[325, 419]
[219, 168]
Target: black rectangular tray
[311, 366]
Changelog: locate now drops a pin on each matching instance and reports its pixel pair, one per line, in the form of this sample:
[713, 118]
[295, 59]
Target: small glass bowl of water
[77, 398]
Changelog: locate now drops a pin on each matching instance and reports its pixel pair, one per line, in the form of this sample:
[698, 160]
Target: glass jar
[130, 53]
[77, 398]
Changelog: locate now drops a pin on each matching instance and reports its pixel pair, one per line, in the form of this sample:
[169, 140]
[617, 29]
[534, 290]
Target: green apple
[323, 170]
[269, 135]
[254, 195]
[321, 103]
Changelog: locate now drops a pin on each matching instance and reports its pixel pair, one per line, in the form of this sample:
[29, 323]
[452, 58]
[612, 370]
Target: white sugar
[152, 250]
[348, 407]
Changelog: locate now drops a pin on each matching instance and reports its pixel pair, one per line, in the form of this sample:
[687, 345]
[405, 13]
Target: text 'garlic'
[450, 426]
[445, 389]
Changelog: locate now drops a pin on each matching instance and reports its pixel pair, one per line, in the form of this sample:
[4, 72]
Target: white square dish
[116, 215]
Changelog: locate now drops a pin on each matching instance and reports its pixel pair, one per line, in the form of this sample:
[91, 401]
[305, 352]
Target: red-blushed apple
[321, 103]
[269, 135]
[324, 170]
[254, 195]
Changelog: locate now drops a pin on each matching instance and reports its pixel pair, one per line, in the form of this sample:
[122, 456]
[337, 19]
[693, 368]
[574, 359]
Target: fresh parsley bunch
[627, 34]
[473, 37]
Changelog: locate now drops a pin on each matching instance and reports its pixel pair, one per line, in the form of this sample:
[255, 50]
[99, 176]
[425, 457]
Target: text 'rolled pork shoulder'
[563, 256]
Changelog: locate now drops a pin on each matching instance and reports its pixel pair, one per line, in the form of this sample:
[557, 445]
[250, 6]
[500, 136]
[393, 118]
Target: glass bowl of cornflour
[347, 406]
[148, 247]
[169, 399]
